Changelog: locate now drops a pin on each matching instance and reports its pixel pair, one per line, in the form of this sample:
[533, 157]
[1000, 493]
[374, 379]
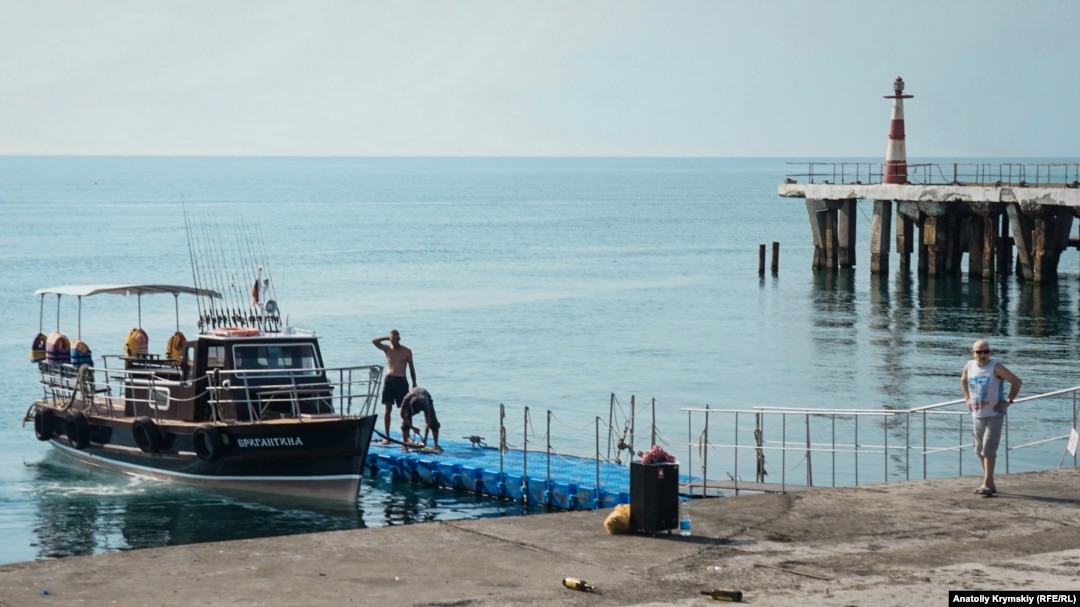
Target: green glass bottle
[724, 594]
[576, 584]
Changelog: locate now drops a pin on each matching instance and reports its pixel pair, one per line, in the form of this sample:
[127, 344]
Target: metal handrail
[1005, 174]
[898, 447]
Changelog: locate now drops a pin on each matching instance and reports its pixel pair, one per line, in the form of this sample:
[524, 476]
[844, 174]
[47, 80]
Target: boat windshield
[296, 359]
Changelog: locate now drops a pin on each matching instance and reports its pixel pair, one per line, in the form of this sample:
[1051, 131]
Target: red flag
[255, 293]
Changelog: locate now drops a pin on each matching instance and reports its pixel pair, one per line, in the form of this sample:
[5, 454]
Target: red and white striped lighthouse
[896, 155]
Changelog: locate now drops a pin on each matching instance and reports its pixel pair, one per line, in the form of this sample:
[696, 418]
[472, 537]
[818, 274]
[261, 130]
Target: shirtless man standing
[396, 386]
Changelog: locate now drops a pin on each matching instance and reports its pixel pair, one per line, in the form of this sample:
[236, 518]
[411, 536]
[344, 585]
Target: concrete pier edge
[905, 543]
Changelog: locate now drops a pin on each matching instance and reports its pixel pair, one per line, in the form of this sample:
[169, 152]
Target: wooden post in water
[775, 257]
[761, 260]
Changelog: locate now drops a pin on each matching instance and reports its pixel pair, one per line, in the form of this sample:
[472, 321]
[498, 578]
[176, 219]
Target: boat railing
[264, 393]
[345, 391]
[781, 447]
[63, 382]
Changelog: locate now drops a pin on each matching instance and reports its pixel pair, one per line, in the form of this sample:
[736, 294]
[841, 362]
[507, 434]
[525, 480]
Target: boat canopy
[86, 290]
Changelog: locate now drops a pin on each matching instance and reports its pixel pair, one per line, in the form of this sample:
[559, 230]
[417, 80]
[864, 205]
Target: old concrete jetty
[984, 210]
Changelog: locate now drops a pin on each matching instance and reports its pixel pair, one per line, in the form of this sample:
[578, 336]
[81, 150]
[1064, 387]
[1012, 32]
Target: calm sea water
[547, 283]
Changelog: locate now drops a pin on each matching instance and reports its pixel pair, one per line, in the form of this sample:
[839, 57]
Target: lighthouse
[895, 154]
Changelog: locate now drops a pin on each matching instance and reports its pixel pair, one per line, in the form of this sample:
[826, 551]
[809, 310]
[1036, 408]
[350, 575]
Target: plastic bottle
[724, 594]
[684, 518]
[576, 584]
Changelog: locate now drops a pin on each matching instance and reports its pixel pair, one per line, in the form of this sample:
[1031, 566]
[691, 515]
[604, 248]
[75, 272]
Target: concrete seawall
[892, 544]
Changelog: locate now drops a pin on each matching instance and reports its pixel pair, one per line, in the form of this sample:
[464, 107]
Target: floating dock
[563, 482]
[536, 477]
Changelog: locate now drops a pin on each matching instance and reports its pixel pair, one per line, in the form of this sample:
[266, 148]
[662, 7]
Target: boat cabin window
[215, 357]
[294, 358]
[160, 399]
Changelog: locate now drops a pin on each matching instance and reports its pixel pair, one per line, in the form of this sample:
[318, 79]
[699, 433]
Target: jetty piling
[978, 209]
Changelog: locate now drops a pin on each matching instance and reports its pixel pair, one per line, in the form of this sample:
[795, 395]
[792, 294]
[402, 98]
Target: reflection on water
[82, 511]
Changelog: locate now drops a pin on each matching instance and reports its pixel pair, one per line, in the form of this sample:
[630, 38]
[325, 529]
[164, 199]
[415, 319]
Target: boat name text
[272, 441]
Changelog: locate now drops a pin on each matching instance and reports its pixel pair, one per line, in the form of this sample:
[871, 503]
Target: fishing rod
[191, 260]
[238, 319]
[269, 278]
[245, 260]
[219, 315]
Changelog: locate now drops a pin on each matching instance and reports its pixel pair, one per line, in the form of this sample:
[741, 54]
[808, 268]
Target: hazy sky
[537, 78]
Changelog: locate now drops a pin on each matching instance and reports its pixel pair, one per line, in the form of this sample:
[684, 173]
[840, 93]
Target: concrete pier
[979, 220]
[896, 544]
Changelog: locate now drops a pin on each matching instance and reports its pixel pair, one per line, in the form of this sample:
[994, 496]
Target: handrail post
[834, 450]
[960, 451]
[907, 447]
[597, 494]
[809, 454]
[1006, 421]
[611, 421]
[885, 433]
[783, 453]
[925, 447]
[547, 481]
[689, 439]
[705, 455]
[525, 452]
[653, 436]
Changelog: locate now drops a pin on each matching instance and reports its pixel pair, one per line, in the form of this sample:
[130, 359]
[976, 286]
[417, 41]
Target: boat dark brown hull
[315, 458]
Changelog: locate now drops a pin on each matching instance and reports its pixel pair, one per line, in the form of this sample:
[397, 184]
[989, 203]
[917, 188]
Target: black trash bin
[654, 497]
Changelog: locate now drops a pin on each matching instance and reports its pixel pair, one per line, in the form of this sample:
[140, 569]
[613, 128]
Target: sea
[532, 291]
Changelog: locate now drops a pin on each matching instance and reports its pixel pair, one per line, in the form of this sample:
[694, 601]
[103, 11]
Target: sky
[657, 78]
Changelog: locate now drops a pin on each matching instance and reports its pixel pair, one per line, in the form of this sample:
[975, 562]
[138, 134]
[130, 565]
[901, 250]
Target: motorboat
[246, 405]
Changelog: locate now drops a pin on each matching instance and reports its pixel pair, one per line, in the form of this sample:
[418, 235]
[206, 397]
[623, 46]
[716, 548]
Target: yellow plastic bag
[618, 522]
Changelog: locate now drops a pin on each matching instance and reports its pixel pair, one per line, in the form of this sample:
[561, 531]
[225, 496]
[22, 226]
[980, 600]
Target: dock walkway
[558, 481]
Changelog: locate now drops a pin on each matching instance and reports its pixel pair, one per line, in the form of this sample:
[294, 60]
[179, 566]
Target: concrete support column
[935, 239]
[817, 229]
[988, 234]
[845, 233]
[1022, 226]
[831, 239]
[1049, 237]
[880, 227]
[1003, 244]
[823, 225]
[976, 245]
[907, 214]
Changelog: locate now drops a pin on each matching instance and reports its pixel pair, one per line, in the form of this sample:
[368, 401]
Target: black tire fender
[208, 443]
[77, 428]
[146, 434]
[43, 424]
